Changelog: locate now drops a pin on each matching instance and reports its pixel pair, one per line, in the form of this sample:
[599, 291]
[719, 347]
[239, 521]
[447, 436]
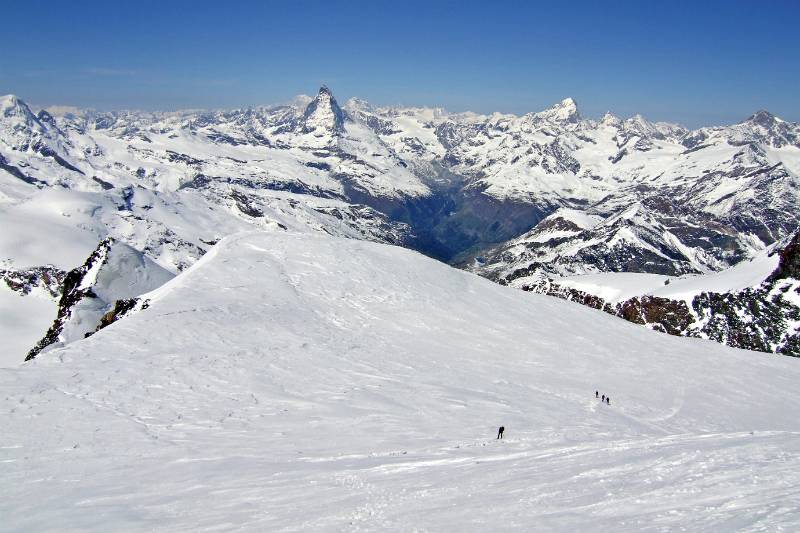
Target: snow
[749, 273]
[23, 321]
[614, 287]
[617, 287]
[55, 227]
[127, 273]
[581, 219]
[290, 382]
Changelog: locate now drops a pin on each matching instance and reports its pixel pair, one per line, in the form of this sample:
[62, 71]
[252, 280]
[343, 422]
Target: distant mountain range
[513, 198]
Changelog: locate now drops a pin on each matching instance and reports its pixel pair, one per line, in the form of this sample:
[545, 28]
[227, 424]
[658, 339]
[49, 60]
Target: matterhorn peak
[323, 115]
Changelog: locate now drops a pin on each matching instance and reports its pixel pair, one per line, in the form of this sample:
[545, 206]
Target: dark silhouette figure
[604, 398]
[608, 400]
[596, 394]
[500, 432]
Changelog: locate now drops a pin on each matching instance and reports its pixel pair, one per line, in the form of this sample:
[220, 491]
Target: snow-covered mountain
[291, 382]
[462, 181]
[636, 239]
[725, 191]
[481, 191]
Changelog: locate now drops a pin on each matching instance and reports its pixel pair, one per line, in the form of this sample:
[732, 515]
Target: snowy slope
[23, 320]
[292, 382]
[619, 286]
[616, 287]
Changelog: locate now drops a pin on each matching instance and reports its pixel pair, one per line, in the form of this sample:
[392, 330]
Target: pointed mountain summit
[323, 115]
[20, 129]
[763, 118]
[9, 104]
[609, 119]
[13, 109]
[564, 112]
[763, 126]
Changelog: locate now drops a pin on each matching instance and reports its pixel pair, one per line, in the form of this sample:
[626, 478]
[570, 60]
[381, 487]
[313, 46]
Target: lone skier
[500, 432]
[596, 394]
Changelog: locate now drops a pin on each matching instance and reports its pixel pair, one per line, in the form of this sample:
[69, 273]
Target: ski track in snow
[292, 382]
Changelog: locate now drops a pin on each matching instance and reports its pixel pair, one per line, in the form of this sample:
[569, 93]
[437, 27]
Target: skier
[596, 394]
[604, 398]
[500, 432]
[608, 400]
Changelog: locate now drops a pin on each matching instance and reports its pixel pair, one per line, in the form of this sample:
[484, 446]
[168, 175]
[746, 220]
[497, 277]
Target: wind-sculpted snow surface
[295, 382]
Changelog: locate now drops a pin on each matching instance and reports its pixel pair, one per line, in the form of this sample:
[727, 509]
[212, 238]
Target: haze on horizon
[708, 64]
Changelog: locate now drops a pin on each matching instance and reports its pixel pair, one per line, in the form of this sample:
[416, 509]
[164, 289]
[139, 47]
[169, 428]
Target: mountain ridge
[465, 188]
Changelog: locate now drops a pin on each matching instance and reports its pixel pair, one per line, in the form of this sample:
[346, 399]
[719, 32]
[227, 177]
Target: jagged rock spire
[323, 115]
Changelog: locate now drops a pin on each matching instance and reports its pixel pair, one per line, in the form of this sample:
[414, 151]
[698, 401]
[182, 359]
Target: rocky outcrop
[46, 279]
[101, 291]
[122, 308]
[789, 263]
[73, 291]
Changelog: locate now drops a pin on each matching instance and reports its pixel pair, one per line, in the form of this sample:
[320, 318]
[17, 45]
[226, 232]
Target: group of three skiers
[604, 398]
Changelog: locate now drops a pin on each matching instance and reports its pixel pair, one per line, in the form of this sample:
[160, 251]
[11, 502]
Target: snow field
[290, 382]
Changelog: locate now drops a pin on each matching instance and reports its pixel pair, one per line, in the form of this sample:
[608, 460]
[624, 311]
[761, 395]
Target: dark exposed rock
[48, 152]
[104, 184]
[789, 263]
[174, 157]
[246, 205]
[121, 309]
[17, 173]
[48, 278]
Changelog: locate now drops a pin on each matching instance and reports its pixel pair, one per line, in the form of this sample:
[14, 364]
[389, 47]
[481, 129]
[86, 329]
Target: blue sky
[696, 63]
